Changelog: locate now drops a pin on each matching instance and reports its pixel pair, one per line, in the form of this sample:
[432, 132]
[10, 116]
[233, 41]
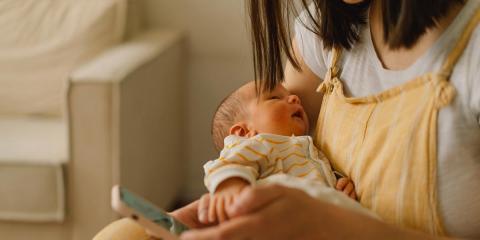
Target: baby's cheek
[280, 116]
[271, 119]
[280, 123]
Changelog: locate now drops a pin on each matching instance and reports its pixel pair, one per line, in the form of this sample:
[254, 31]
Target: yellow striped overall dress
[387, 142]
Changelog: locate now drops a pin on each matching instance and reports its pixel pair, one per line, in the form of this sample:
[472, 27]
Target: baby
[261, 136]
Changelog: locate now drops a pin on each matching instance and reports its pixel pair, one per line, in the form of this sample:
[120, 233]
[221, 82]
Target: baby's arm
[212, 208]
[238, 165]
[346, 186]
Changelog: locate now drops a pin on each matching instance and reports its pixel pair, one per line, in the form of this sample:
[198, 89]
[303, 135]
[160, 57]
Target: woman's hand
[188, 215]
[277, 212]
[258, 214]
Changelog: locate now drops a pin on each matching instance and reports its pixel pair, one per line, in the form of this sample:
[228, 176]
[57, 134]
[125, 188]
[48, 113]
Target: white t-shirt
[458, 124]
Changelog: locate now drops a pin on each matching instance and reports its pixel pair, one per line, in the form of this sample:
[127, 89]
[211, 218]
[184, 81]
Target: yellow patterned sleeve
[241, 157]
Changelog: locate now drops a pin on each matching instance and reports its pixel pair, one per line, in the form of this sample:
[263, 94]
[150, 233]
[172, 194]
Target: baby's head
[243, 113]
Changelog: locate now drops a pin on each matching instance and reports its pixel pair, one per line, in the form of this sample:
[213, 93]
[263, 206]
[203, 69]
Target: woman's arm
[303, 84]
[277, 212]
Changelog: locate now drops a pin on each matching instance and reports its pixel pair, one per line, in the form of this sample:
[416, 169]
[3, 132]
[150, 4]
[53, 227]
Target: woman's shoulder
[309, 44]
[466, 73]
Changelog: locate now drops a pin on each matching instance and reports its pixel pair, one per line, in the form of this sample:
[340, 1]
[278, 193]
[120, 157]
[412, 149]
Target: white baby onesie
[264, 155]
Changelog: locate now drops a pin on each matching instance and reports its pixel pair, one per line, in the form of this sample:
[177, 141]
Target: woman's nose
[294, 99]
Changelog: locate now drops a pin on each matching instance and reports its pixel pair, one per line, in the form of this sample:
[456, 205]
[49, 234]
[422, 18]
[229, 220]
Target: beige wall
[218, 61]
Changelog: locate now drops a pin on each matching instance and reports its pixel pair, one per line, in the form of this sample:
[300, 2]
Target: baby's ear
[240, 129]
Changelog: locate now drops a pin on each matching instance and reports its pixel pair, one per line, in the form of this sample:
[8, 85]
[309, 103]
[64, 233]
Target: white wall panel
[219, 60]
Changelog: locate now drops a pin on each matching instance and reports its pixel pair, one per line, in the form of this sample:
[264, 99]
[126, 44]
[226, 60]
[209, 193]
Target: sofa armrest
[117, 63]
[125, 116]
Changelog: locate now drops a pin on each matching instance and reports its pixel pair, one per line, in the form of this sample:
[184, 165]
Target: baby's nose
[294, 99]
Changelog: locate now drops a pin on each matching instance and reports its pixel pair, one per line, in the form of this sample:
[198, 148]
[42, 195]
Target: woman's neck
[402, 58]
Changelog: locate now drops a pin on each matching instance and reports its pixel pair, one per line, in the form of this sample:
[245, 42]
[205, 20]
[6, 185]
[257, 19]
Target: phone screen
[151, 212]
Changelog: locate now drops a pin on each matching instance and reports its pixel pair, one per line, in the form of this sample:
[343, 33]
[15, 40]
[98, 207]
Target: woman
[399, 89]
[400, 116]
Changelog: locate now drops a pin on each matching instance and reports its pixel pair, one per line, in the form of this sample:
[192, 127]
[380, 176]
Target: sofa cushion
[33, 152]
[31, 192]
[35, 140]
[43, 41]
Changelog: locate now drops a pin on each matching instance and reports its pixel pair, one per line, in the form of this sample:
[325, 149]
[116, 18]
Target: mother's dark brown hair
[338, 25]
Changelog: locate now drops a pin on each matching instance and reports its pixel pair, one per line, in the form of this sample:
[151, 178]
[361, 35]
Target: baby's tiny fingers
[230, 200]
[353, 195]
[341, 183]
[203, 208]
[211, 209]
[348, 189]
[221, 216]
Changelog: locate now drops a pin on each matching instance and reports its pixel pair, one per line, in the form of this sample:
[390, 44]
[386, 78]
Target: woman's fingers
[188, 215]
[254, 198]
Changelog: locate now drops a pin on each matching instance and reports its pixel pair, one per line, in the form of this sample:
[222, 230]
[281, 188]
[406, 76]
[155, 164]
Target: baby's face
[276, 112]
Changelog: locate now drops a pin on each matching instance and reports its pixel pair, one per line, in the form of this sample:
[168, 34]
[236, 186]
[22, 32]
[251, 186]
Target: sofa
[86, 102]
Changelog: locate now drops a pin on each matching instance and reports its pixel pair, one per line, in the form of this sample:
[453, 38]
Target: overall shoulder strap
[457, 51]
[334, 68]
[332, 71]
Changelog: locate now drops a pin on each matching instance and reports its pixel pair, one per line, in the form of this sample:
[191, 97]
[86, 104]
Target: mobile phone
[157, 222]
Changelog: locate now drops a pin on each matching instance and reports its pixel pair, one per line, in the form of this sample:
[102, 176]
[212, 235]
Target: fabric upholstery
[124, 120]
[43, 41]
[33, 140]
[33, 152]
[40, 197]
[80, 110]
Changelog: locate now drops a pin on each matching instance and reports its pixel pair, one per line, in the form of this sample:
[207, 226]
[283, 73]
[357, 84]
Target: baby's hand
[211, 208]
[346, 185]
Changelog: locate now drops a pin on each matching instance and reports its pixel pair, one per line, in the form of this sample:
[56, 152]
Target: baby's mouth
[298, 114]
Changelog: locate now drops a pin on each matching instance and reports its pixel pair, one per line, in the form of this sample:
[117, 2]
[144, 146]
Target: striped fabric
[263, 155]
[387, 142]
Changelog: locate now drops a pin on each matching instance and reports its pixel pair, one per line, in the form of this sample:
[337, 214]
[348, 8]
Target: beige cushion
[43, 41]
[31, 192]
[33, 140]
[33, 152]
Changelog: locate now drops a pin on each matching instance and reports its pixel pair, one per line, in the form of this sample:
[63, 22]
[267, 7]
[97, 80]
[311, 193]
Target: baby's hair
[230, 111]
